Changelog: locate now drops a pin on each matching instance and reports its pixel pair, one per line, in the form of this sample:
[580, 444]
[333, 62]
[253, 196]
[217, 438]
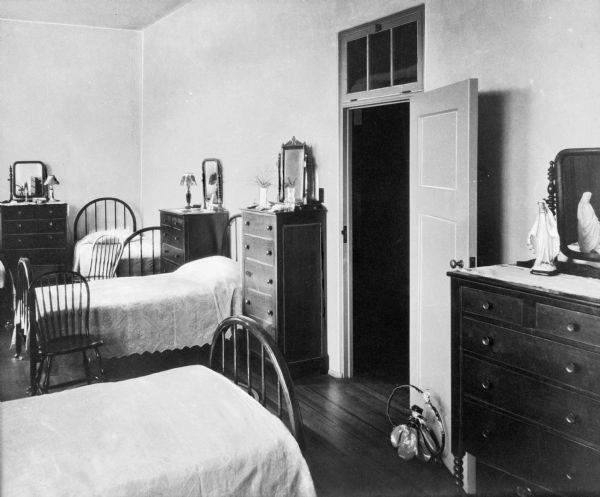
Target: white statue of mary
[588, 226]
[543, 239]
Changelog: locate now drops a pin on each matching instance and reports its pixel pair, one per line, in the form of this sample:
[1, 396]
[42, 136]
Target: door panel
[443, 203]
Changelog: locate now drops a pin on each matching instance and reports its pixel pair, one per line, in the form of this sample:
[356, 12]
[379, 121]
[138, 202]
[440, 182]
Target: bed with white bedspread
[182, 432]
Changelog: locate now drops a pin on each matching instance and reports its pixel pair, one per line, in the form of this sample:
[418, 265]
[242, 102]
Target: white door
[443, 226]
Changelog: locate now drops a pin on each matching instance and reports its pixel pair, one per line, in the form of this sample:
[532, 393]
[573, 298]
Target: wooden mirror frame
[306, 193]
[205, 183]
[13, 180]
[573, 172]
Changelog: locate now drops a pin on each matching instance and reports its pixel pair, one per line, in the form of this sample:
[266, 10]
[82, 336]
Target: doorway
[379, 172]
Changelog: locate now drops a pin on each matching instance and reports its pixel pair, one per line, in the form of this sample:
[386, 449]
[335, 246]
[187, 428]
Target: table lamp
[50, 182]
[188, 180]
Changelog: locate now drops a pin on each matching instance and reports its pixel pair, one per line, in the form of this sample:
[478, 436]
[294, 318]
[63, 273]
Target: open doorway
[379, 171]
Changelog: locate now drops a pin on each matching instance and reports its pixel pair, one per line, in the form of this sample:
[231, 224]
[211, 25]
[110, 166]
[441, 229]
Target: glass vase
[263, 203]
[290, 197]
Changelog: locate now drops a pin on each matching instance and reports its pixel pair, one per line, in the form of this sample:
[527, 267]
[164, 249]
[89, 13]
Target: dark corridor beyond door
[380, 240]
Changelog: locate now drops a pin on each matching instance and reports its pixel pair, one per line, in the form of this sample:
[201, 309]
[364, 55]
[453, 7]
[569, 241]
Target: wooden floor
[347, 431]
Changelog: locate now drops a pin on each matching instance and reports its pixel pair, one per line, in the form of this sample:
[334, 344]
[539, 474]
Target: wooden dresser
[189, 234]
[526, 381]
[36, 231]
[284, 282]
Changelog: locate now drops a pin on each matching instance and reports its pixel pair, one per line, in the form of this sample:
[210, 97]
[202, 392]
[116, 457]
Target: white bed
[186, 431]
[131, 263]
[163, 311]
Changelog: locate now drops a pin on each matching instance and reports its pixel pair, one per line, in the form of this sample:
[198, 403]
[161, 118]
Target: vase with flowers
[264, 183]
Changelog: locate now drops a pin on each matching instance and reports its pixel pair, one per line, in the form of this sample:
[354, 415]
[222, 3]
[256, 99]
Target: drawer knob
[247, 223]
[50, 223]
[571, 418]
[177, 256]
[50, 237]
[269, 228]
[270, 281]
[485, 433]
[570, 368]
[19, 213]
[569, 476]
[523, 491]
[248, 273]
[571, 327]
[247, 247]
[20, 225]
[19, 240]
[486, 384]
[269, 252]
[51, 211]
[487, 341]
[166, 251]
[486, 306]
[270, 312]
[247, 302]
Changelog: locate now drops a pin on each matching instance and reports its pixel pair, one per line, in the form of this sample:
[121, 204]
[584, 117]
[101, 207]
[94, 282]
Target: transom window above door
[383, 57]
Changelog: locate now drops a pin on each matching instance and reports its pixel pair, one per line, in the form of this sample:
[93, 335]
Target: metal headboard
[231, 241]
[253, 362]
[103, 214]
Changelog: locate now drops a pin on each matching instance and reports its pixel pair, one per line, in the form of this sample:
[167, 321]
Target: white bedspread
[164, 311]
[183, 432]
[130, 262]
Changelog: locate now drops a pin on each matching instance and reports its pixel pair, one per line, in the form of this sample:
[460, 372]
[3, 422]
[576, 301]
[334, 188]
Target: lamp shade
[51, 181]
[188, 179]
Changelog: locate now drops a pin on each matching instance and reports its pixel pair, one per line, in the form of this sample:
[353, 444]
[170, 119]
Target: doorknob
[454, 264]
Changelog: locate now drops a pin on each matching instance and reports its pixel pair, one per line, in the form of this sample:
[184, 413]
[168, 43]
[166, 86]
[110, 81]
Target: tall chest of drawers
[284, 282]
[36, 231]
[526, 381]
[190, 234]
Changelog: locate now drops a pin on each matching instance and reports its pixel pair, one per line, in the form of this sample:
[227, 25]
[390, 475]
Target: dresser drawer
[256, 224]
[168, 266]
[52, 225]
[173, 254]
[46, 211]
[172, 237]
[38, 257]
[530, 452]
[259, 305]
[26, 241]
[557, 408]
[171, 221]
[493, 305]
[259, 249]
[492, 482]
[20, 212]
[567, 323]
[563, 363]
[259, 276]
[20, 226]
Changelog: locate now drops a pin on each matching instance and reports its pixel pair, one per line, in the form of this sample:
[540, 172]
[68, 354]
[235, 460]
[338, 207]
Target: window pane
[405, 53]
[379, 60]
[357, 65]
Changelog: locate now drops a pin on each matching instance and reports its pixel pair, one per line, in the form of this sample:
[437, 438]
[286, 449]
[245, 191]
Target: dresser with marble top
[526, 380]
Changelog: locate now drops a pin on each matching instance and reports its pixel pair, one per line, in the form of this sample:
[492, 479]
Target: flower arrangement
[263, 181]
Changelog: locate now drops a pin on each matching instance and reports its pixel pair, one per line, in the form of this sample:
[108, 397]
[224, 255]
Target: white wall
[71, 98]
[235, 79]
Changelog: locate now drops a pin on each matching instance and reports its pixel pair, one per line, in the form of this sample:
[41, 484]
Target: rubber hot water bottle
[543, 239]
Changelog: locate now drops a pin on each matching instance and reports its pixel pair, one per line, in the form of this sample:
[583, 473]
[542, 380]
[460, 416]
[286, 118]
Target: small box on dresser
[284, 282]
[190, 234]
[36, 231]
[526, 380]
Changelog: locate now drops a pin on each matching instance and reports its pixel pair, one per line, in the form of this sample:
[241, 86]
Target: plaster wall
[71, 97]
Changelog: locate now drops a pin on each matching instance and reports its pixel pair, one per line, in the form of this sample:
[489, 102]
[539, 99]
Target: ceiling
[118, 14]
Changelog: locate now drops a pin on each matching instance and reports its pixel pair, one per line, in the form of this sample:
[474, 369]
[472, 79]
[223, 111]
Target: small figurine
[588, 226]
[543, 239]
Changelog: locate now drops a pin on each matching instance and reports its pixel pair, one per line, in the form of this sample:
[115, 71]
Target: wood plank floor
[346, 428]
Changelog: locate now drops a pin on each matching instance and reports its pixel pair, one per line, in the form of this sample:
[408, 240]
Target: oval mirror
[28, 179]
[212, 183]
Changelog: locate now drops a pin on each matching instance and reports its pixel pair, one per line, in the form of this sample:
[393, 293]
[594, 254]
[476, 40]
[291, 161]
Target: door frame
[345, 174]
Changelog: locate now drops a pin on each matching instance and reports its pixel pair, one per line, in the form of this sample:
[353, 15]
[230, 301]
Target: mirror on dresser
[212, 183]
[27, 180]
[295, 168]
[575, 198]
